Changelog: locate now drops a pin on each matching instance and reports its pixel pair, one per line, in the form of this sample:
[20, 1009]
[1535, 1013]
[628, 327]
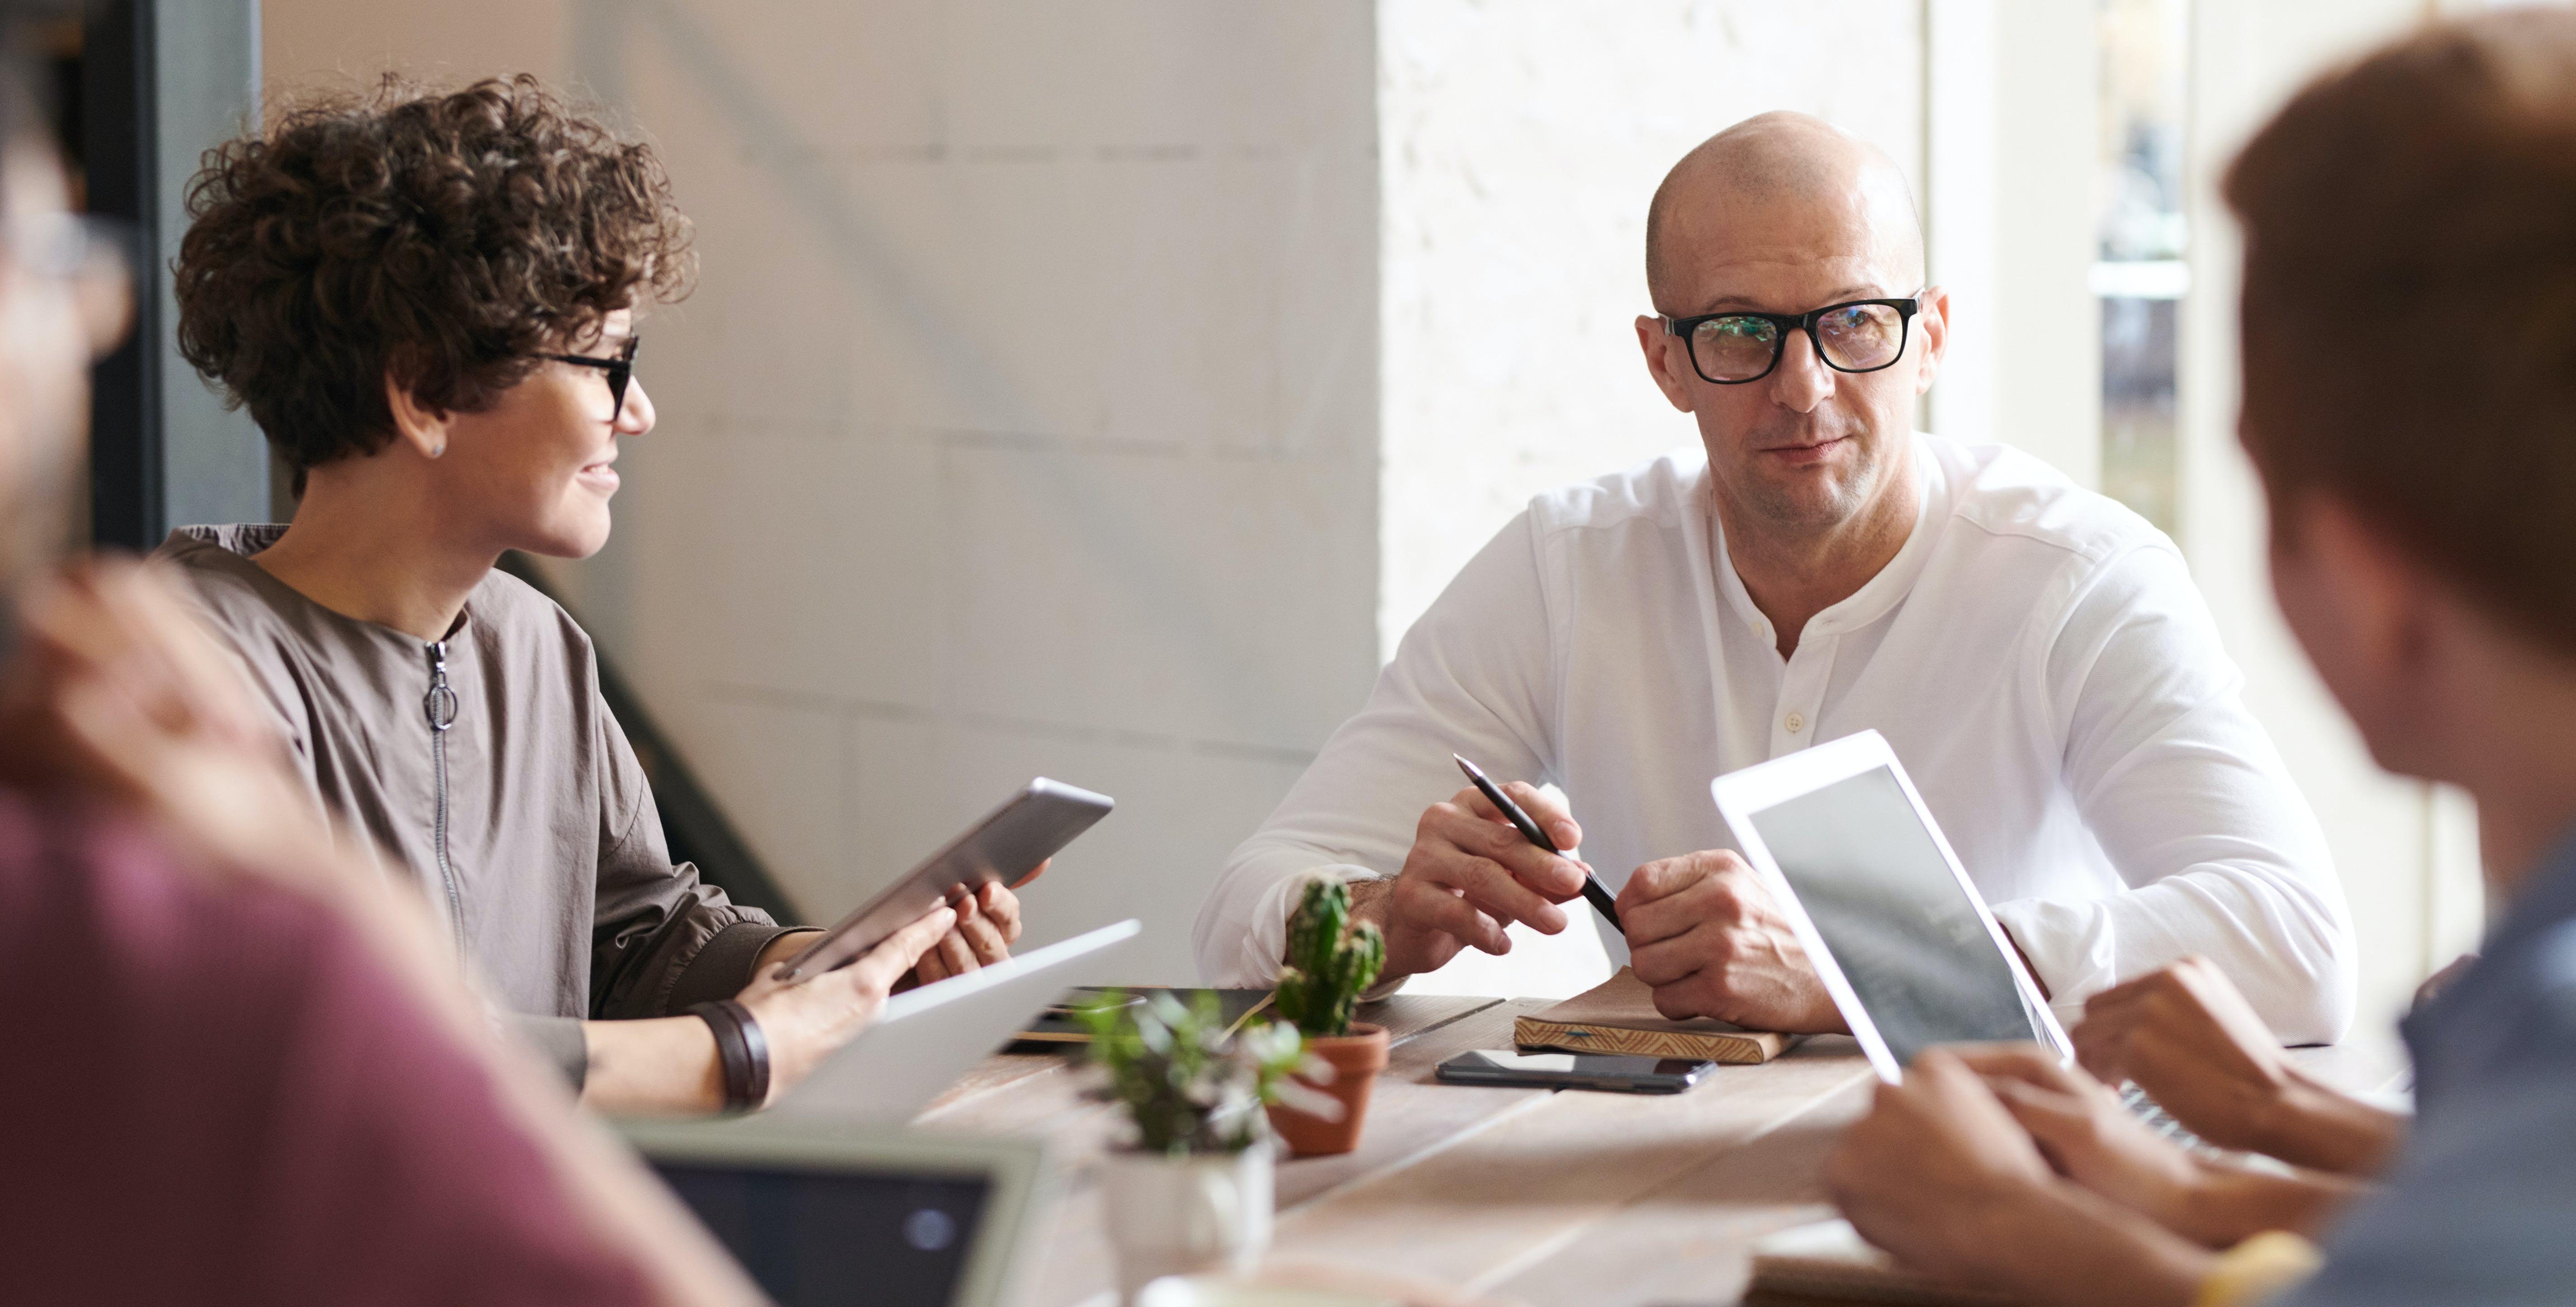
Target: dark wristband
[741, 1049]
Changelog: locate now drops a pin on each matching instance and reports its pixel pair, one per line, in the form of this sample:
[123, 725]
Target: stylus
[1593, 890]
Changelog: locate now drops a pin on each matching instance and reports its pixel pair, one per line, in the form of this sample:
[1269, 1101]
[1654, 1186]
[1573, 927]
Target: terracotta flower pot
[1356, 1058]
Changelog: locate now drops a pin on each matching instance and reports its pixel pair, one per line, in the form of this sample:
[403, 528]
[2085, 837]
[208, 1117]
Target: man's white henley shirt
[2036, 653]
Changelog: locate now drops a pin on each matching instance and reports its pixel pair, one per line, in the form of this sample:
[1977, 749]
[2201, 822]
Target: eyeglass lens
[1854, 338]
[619, 373]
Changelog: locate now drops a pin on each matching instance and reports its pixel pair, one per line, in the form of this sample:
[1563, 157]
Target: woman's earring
[438, 449]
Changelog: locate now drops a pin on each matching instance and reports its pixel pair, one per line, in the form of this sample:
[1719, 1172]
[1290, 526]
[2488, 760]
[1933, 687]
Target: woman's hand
[988, 924]
[804, 1022]
[2085, 1133]
[1941, 1175]
[2187, 1038]
[1936, 1171]
[2191, 1041]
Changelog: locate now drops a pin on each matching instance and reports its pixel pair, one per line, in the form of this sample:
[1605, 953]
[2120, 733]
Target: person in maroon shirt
[237, 1069]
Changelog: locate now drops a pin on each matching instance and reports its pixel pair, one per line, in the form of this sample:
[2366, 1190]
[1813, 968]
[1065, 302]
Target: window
[2139, 274]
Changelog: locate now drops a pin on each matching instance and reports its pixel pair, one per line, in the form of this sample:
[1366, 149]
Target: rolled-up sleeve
[662, 938]
[2192, 803]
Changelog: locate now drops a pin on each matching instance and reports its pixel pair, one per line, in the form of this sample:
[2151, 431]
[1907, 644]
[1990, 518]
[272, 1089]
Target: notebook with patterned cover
[1618, 1016]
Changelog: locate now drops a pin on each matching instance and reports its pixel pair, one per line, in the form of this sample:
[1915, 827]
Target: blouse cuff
[723, 966]
[2257, 1269]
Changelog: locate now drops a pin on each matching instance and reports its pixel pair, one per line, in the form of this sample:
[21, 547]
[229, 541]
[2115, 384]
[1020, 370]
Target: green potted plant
[1191, 1191]
[1330, 964]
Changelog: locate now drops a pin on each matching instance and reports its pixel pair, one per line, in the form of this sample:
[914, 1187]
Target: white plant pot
[1184, 1216]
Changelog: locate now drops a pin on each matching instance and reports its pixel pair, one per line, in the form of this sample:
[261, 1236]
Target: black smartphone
[1624, 1075]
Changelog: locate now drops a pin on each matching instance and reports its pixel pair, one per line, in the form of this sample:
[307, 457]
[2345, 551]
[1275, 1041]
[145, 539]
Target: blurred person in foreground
[1812, 566]
[428, 303]
[243, 1067]
[2409, 339]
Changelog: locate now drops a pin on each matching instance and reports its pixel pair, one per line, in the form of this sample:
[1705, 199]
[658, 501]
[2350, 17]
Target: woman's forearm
[2076, 1247]
[666, 1066]
[2311, 1124]
[2230, 1204]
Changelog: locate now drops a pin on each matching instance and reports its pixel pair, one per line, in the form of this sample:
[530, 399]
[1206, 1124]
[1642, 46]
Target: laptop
[1900, 936]
[819, 1213]
[928, 1037]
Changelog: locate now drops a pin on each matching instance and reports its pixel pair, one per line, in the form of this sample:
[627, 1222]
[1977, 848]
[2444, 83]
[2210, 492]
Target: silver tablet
[1005, 846]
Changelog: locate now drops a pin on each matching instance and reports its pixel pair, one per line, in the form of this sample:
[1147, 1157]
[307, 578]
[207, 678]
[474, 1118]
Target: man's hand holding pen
[1469, 875]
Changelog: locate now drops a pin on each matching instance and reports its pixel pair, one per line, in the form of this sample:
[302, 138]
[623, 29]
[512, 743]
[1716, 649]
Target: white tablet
[829, 1214]
[1898, 932]
[928, 1037]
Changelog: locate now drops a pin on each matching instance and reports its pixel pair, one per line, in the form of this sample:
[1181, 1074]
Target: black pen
[1593, 889]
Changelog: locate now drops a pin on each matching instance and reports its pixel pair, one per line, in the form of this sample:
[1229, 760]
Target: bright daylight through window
[2140, 274]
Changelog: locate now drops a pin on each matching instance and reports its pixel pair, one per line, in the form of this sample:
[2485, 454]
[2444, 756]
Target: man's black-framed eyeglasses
[1729, 349]
[620, 368]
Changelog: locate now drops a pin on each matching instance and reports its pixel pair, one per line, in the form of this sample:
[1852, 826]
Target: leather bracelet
[742, 1050]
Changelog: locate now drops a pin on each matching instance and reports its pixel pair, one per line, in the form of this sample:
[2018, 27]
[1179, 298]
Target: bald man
[2036, 654]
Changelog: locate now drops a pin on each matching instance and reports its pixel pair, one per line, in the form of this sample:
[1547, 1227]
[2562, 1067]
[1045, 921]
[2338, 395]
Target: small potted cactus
[1330, 964]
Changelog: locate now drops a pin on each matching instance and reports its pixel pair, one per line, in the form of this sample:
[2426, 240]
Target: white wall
[1520, 142]
[2009, 127]
[1024, 420]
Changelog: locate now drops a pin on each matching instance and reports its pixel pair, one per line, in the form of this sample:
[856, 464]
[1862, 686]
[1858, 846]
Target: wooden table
[1542, 1197]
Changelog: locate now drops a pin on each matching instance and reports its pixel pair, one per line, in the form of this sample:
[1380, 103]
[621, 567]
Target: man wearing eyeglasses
[2036, 653]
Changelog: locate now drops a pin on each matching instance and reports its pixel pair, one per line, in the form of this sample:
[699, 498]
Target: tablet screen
[1895, 918]
[836, 1237]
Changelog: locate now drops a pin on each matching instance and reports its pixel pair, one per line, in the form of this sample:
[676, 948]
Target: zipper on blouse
[439, 706]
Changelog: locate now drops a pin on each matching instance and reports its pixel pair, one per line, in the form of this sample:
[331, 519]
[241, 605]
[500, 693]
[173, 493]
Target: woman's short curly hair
[436, 239]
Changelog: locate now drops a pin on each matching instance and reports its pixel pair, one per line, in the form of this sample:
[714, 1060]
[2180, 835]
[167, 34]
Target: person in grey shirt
[428, 304]
[2409, 344]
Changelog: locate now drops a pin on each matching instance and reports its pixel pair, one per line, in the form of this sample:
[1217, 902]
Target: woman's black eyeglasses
[1730, 349]
[620, 369]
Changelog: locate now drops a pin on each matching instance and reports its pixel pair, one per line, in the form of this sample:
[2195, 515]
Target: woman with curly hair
[428, 304]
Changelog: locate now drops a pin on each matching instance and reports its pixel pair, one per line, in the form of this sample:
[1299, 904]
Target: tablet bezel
[1015, 1167]
[1755, 789]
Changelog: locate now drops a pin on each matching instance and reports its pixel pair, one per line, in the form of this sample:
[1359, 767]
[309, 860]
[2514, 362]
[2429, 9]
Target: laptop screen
[1895, 918]
[811, 1238]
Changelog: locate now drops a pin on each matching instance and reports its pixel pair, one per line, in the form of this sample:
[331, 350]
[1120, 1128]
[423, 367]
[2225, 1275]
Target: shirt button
[1796, 723]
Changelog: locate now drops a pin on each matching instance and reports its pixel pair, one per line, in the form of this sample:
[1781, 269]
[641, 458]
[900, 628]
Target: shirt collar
[2547, 898]
[232, 547]
[1876, 597]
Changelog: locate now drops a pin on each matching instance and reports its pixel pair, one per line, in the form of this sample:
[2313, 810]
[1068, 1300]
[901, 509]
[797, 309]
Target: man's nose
[1802, 381]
